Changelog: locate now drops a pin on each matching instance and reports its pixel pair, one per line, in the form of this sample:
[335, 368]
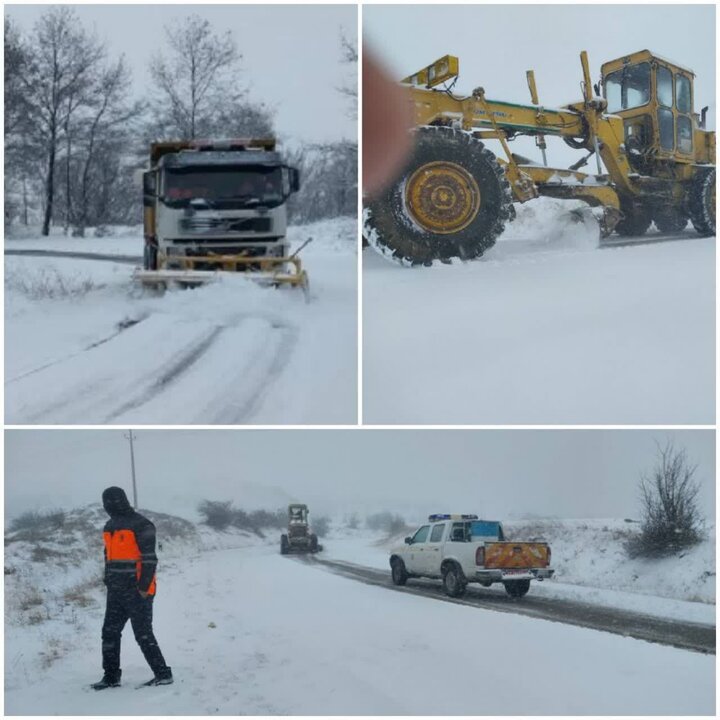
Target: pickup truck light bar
[446, 516]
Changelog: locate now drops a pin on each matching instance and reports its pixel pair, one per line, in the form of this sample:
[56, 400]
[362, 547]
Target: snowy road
[86, 346]
[248, 631]
[685, 635]
[544, 331]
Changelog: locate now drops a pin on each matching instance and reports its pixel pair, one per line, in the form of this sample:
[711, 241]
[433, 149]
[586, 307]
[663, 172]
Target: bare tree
[107, 120]
[670, 516]
[349, 56]
[198, 86]
[60, 69]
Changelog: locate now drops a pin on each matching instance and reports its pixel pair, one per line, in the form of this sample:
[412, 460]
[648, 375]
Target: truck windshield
[224, 187]
[628, 88]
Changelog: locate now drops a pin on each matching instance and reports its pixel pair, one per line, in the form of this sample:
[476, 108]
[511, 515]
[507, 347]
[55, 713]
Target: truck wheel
[634, 223]
[313, 543]
[398, 571]
[701, 204]
[284, 545]
[454, 583]
[517, 588]
[670, 221]
[451, 201]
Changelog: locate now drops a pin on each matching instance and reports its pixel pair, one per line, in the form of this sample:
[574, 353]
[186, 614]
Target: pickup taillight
[480, 556]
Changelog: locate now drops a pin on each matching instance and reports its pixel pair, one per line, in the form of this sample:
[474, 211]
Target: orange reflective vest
[121, 548]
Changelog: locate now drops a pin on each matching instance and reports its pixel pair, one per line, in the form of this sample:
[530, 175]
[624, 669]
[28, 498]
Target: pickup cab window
[437, 533]
[421, 535]
[458, 533]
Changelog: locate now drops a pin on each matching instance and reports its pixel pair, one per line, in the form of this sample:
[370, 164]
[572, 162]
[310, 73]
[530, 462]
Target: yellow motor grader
[454, 196]
[218, 205]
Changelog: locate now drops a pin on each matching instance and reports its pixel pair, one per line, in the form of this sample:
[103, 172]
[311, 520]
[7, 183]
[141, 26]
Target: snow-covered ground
[83, 345]
[248, 631]
[543, 329]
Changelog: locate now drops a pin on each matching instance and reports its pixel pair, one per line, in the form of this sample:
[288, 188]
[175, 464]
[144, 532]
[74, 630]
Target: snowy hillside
[78, 334]
[248, 631]
[545, 328]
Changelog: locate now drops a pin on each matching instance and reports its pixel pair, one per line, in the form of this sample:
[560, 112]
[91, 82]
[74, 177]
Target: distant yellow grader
[454, 196]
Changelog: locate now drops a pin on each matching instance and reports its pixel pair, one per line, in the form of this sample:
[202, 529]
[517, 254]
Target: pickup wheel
[398, 571]
[517, 588]
[453, 580]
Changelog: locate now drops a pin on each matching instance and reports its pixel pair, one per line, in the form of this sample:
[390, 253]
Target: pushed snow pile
[591, 553]
[54, 562]
[548, 224]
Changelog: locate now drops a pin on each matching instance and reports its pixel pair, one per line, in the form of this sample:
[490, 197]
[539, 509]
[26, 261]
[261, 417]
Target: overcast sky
[496, 44]
[567, 473]
[291, 54]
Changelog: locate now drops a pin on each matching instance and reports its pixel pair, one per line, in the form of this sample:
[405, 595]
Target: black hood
[115, 502]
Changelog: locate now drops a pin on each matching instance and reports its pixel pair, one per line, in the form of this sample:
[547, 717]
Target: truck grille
[216, 225]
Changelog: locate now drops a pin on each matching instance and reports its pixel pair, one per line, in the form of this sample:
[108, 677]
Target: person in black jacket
[130, 564]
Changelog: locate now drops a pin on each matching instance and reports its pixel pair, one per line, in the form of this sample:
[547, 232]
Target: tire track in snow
[122, 326]
[89, 387]
[680, 634]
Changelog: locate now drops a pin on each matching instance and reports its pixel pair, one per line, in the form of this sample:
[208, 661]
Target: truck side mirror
[408, 541]
[149, 182]
[294, 180]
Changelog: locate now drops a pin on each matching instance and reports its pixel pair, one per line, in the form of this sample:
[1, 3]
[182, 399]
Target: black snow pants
[123, 604]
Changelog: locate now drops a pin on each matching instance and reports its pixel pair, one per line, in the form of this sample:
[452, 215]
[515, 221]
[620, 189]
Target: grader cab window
[628, 88]
[666, 129]
[684, 94]
[684, 134]
[664, 86]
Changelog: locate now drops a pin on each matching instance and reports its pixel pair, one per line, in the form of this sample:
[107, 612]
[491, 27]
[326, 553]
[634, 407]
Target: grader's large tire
[701, 204]
[635, 222]
[452, 201]
[284, 545]
[517, 588]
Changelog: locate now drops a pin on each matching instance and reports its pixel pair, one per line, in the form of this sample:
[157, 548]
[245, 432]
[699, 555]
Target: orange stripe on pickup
[501, 555]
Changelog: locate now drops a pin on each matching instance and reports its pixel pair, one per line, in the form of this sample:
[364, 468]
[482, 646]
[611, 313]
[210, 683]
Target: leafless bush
[321, 525]
[386, 522]
[31, 520]
[670, 516]
[30, 599]
[221, 515]
[78, 595]
[216, 514]
[49, 284]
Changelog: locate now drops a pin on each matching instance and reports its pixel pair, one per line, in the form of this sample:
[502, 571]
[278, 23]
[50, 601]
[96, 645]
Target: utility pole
[131, 438]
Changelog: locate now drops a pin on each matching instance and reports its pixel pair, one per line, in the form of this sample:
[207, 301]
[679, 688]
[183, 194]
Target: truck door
[416, 549]
[432, 555]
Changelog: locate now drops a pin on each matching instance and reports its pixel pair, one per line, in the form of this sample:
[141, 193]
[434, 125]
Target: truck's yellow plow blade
[271, 271]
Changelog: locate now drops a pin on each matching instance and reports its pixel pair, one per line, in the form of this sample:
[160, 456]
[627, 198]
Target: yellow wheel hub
[442, 197]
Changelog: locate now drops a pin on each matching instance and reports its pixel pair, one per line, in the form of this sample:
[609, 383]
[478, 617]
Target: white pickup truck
[461, 549]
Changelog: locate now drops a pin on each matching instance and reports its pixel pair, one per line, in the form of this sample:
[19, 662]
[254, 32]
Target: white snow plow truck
[460, 549]
[217, 205]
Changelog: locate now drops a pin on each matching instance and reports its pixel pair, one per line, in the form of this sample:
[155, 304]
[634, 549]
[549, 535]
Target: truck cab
[654, 97]
[207, 198]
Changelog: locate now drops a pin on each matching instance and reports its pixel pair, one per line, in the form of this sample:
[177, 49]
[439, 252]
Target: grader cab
[299, 536]
[654, 160]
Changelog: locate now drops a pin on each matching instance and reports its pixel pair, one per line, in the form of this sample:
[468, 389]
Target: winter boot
[163, 678]
[109, 680]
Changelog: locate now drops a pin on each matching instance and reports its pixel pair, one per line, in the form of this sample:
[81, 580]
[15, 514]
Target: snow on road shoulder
[251, 632]
[245, 353]
[531, 334]
[591, 566]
